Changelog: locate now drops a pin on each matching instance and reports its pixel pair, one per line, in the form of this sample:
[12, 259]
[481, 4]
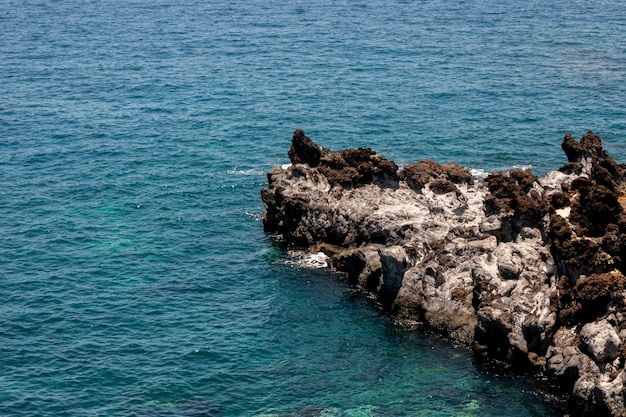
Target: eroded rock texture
[526, 270]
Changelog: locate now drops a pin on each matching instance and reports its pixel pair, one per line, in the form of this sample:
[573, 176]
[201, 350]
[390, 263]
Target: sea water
[135, 277]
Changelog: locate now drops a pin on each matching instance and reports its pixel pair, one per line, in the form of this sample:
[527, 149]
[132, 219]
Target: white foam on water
[252, 171]
[522, 167]
[482, 174]
[478, 173]
[303, 259]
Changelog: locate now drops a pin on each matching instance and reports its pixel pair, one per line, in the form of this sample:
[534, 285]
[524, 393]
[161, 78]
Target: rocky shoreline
[526, 270]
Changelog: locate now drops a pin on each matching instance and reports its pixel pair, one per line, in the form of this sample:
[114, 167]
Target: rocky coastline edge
[528, 271]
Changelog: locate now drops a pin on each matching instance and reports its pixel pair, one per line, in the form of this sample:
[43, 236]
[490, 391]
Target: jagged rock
[394, 263]
[443, 176]
[357, 167]
[514, 200]
[304, 151]
[600, 340]
[564, 358]
[526, 270]
[362, 267]
[590, 298]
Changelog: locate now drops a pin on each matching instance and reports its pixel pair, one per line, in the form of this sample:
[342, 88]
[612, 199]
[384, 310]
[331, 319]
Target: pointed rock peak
[303, 150]
[590, 146]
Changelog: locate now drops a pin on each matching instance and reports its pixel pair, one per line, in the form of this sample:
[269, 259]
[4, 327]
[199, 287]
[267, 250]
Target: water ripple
[134, 139]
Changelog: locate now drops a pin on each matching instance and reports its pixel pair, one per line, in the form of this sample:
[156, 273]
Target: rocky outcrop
[526, 270]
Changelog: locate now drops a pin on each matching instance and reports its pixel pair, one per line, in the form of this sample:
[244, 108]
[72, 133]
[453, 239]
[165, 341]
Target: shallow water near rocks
[135, 136]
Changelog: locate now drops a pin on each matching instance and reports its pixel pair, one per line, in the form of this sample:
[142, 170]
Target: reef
[527, 270]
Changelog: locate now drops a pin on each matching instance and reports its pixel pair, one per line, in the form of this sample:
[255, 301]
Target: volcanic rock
[527, 270]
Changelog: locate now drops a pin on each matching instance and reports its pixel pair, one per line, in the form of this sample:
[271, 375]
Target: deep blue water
[135, 278]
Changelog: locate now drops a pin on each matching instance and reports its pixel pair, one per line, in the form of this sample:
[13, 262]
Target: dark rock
[572, 168]
[356, 167]
[394, 264]
[443, 187]
[595, 207]
[304, 151]
[590, 297]
[559, 200]
[491, 339]
[346, 168]
[573, 150]
[418, 174]
[362, 268]
[589, 147]
[611, 243]
[512, 197]
[508, 270]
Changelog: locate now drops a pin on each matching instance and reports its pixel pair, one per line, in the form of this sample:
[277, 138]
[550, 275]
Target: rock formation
[526, 270]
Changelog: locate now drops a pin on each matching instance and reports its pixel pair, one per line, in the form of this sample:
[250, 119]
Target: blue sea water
[135, 278]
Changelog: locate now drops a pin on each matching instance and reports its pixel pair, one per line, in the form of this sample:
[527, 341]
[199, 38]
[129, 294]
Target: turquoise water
[134, 139]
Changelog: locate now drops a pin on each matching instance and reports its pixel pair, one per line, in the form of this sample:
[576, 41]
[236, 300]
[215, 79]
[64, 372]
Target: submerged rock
[526, 270]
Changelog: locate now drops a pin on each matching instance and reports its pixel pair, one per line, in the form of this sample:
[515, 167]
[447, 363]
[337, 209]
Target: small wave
[251, 171]
[254, 216]
[479, 173]
[305, 259]
[522, 167]
[482, 174]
